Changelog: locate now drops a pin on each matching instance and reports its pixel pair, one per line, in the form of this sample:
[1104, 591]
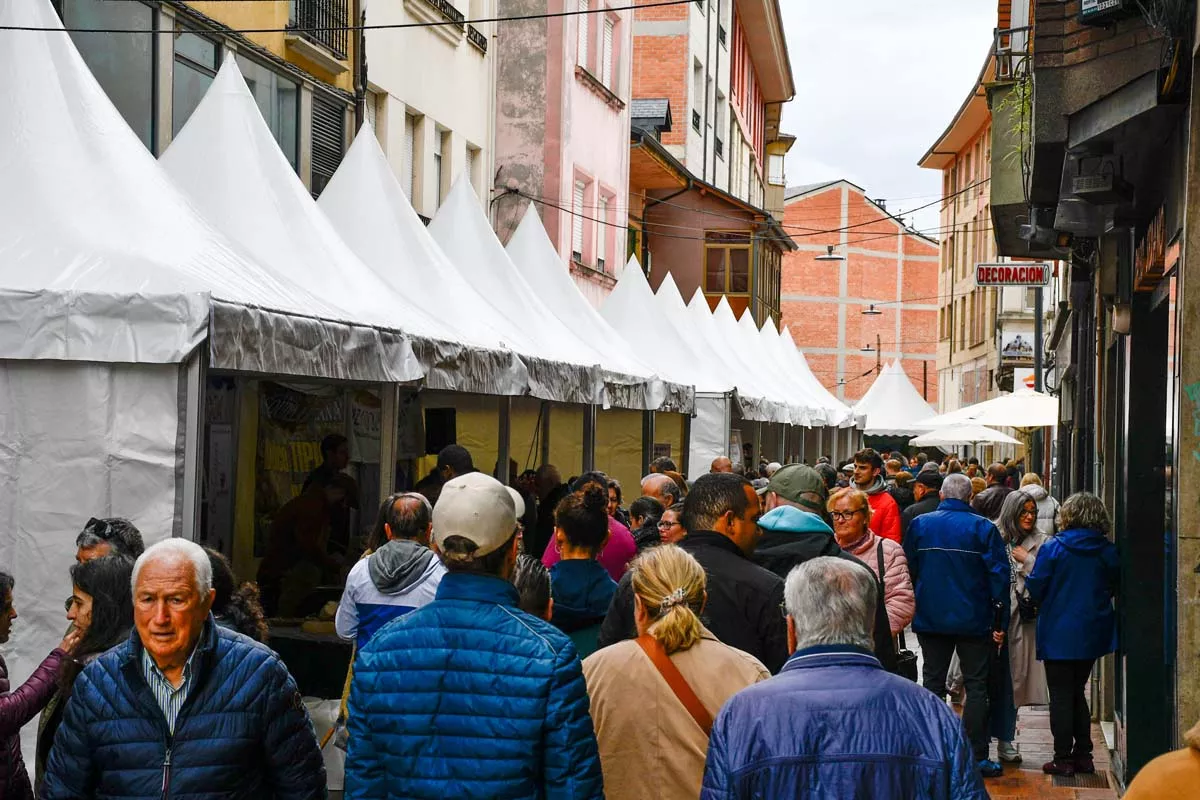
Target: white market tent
[633, 312]
[1023, 408]
[228, 163]
[952, 435]
[804, 372]
[112, 289]
[567, 368]
[369, 210]
[893, 406]
[784, 360]
[757, 347]
[534, 255]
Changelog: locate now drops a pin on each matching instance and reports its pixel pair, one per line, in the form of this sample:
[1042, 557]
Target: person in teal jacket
[469, 696]
[1073, 583]
[580, 586]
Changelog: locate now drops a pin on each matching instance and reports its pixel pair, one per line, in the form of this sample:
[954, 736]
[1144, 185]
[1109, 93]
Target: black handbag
[906, 660]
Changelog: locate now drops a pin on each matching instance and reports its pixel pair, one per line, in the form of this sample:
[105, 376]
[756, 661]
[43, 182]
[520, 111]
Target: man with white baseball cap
[469, 696]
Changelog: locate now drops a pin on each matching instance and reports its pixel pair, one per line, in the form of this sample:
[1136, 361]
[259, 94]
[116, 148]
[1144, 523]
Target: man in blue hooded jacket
[833, 723]
[468, 696]
[960, 576]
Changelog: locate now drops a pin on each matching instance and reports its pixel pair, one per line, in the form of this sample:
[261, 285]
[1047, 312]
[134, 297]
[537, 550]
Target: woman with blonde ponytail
[653, 698]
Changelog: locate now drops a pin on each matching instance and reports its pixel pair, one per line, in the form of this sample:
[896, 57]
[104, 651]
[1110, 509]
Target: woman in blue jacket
[580, 586]
[1073, 583]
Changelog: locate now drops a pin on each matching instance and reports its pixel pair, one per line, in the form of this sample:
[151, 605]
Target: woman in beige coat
[650, 743]
[1018, 526]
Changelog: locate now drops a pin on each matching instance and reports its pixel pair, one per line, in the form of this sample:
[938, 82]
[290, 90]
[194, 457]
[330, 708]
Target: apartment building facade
[707, 180]
[305, 78]
[562, 112]
[431, 92]
[861, 295]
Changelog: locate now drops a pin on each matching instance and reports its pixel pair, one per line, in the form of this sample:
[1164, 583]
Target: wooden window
[727, 262]
[577, 222]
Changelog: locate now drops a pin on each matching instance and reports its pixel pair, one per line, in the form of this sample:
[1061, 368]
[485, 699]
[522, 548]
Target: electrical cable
[331, 28]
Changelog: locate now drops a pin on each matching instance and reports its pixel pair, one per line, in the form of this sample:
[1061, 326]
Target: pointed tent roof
[369, 210]
[784, 358]
[534, 255]
[804, 371]
[760, 346]
[564, 368]
[723, 329]
[230, 166]
[893, 406]
[95, 238]
[632, 310]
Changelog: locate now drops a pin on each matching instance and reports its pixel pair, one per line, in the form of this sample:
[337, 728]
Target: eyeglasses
[70, 603]
[664, 525]
[842, 516]
[1025, 512]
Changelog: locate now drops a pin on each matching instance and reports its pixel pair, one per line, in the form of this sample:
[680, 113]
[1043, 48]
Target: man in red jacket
[885, 513]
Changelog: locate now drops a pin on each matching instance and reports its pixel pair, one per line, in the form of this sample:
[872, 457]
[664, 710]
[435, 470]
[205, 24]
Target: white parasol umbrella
[951, 435]
[1023, 408]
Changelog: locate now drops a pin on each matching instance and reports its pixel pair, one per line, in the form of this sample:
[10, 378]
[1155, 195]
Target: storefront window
[123, 63]
[195, 67]
[279, 100]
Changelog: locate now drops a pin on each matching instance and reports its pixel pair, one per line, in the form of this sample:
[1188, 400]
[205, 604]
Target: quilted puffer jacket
[834, 724]
[16, 709]
[243, 731]
[470, 697]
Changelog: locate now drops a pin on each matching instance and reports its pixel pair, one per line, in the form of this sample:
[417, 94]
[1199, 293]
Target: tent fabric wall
[79, 440]
[710, 433]
[669, 429]
[619, 450]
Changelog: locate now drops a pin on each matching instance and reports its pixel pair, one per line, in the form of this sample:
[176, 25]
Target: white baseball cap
[476, 507]
[518, 501]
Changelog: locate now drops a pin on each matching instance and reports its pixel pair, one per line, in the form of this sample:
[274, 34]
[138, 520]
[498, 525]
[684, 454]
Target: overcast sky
[877, 81]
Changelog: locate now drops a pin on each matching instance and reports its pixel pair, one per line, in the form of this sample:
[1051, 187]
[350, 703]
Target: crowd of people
[741, 635]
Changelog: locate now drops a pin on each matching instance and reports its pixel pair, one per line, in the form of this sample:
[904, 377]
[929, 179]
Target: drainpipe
[360, 55]
[704, 122]
[717, 88]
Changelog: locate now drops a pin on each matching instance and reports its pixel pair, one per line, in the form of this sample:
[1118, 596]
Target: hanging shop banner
[1016, 348]
[291, 424]
[1013, 273]
[366, 417]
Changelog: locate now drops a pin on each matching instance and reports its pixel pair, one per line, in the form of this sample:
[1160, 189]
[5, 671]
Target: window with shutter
[410, 132]
[606, 65]
[577, 223]
[583, 33]
[472, 159]
[602, 233]
[328, 139]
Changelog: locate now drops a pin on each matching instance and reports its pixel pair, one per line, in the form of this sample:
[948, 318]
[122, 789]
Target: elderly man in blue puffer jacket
[184, 708]
[470, 697]
[833, 723]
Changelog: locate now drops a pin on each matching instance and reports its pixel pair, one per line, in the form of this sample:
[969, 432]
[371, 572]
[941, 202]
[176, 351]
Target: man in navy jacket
[960, 575]
[833, 723]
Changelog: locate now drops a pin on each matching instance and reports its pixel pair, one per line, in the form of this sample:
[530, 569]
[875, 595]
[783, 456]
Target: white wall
[436, 74]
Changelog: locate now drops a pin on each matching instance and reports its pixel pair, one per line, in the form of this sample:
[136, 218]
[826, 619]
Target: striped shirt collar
[169, 698]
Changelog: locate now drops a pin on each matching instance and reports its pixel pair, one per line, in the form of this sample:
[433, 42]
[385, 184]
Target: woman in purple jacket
[19, 707]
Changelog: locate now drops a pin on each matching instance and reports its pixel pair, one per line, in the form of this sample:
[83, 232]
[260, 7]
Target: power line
[332, 28]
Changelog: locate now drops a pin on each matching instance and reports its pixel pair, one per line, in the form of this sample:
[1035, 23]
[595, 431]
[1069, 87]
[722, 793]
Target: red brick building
[883, 266]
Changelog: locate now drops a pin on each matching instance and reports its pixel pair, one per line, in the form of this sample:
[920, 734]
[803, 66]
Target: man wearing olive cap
[469, 696]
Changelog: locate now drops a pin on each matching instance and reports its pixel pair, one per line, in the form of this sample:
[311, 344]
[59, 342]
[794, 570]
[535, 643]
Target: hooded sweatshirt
[885, 513]
[1073, 582]
[582, 591]
[1047, 508]
[399, 577]
[791, 537]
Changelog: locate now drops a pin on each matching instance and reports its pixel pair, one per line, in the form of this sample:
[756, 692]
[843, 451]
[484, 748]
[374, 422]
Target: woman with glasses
[20, 706]
[1025, 683]
[670, 530]
[644, 515]
[100, 610]
[851, 513]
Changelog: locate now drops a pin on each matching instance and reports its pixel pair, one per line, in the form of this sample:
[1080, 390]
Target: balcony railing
[695, 119]
[476, 38]
[449, 12]
[322, 22]
[1012, 47]
[719, 147]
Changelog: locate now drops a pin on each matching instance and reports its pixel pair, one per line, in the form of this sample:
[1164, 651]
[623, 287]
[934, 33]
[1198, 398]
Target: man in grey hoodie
[399, 577]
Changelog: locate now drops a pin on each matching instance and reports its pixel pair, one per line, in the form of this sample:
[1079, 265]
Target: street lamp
[871, 311]
[830, 255]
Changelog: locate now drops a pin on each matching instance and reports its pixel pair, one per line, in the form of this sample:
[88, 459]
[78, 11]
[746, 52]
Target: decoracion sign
[1013, 273]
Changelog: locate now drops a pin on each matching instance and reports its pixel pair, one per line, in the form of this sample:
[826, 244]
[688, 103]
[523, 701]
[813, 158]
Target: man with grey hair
[960, 576]
[184, 707]
[662, 488]
[833, 717]
[401, 576]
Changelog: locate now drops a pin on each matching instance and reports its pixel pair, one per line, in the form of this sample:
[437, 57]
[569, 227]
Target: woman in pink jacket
[851, 512]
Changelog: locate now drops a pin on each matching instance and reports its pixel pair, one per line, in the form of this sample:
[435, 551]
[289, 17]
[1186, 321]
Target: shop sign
[1016, 347]
[1095, 12]
[1013, 273]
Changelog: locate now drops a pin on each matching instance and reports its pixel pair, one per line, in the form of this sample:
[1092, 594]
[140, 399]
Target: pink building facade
[562, 132]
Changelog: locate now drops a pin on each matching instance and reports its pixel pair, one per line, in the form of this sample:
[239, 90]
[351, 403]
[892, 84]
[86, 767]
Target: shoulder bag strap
[879, 558]
[674, 678]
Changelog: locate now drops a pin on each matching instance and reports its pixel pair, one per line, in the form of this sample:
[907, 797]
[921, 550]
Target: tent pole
[389, 430]
[193, 373]
[545, 454]
[504, 430]
[647, 440]
[589, 438]
[820, 441]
